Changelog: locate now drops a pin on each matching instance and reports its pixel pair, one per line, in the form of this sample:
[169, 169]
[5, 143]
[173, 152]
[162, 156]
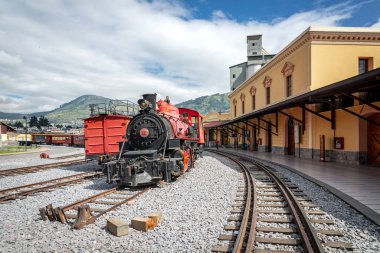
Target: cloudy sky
[54, 51]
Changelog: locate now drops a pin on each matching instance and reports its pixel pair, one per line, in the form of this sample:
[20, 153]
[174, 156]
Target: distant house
[7, 132]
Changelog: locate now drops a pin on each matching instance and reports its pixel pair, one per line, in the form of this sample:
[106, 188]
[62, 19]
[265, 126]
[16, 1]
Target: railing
[115, 107]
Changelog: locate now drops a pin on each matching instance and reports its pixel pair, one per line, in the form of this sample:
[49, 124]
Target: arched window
[242, 98]
[267, 83]
[287, 71]
[234, 103]
[253, 94]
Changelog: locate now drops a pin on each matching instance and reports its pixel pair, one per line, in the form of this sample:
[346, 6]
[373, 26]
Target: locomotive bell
[144, 104]
[152, 98]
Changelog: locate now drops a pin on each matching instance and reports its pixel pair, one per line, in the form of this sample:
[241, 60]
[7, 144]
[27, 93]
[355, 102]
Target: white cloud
[377, 24]
[54, 51]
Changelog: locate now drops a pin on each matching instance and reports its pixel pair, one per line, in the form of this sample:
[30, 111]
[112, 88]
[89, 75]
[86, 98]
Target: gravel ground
[22, 160]
[358, 230]
[195, 208]
[31, 178]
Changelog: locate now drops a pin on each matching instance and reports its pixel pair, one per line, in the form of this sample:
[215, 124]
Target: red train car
[78, 140]
[61, 139]
[102, 135]
[41, 139]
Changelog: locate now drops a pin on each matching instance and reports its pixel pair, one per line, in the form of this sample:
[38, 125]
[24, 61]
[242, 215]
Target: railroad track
[274, 214]
[35, 168]
[25, 190]
[66, 157]
[86, 211]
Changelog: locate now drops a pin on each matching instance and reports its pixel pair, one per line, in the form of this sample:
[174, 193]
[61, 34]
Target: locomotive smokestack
[152, 99]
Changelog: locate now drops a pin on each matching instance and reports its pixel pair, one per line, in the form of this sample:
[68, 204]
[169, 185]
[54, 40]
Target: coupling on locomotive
[161, 142]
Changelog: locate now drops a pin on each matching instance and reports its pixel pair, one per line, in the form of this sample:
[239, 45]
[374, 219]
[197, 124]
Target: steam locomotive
[161, 143]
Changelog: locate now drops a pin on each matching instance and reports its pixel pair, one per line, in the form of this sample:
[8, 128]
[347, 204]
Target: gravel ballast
[22, 160]
[195, 209]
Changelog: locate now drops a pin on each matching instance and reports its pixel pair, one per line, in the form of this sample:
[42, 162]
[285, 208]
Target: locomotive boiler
[161, 142]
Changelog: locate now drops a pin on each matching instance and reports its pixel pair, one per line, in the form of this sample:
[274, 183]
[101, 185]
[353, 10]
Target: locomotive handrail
[122, 147]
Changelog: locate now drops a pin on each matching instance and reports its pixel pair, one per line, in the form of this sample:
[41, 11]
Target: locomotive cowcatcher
[161, 143]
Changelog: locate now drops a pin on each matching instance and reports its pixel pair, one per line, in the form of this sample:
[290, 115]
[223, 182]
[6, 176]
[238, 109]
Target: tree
[33, 121]
[18, 124]
[43, 122]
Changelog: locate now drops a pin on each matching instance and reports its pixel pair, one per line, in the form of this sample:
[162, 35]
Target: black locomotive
[160, 144]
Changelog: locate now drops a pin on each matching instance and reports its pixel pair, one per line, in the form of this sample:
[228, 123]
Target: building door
[291, 146]
[224, 138]
[269, 138]
[374, 140]
[211, 134]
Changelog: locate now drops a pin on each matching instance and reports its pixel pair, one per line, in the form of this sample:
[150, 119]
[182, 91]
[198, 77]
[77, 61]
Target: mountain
[6, 115]
[213, 103]
[72, 112]
[76, 110]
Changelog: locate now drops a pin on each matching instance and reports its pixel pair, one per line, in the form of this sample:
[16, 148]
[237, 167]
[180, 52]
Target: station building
[318, 98]
[211, 120]
[7, 133]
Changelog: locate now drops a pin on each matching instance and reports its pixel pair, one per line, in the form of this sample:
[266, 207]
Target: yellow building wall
[217, 116]
[300, 80]
[333, 62]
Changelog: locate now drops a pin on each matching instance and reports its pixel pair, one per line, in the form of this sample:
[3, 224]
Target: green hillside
[75, 110]
[213, 103]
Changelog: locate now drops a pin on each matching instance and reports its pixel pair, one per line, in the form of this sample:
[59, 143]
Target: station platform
[359, 186]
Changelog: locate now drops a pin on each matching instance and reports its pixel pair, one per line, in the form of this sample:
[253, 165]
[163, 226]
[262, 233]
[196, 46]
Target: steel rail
[92, 219]
[247, 233]
[84, 213]
[34, 168]
[87, 200]
[309, 238]
[66, 156]
[83, 175]
[304, 227]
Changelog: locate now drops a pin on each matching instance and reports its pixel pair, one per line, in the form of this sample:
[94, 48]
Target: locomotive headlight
[143, 104]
